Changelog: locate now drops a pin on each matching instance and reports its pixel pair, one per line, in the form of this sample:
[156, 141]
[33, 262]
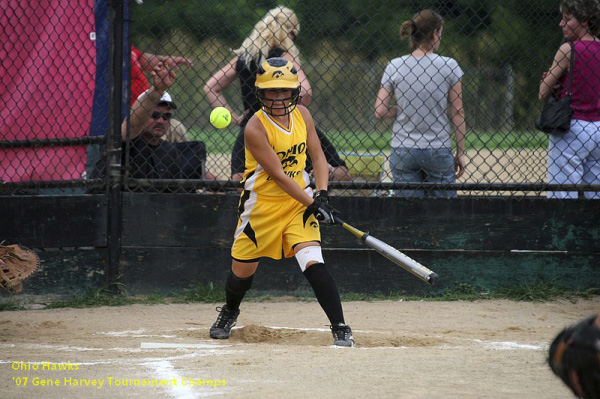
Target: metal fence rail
[59, 93]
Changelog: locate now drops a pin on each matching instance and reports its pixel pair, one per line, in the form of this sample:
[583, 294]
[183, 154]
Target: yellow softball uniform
[270, 221]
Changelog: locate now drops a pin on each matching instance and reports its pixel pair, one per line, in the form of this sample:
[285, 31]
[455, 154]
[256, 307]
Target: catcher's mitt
[575, 357]
[16, 264]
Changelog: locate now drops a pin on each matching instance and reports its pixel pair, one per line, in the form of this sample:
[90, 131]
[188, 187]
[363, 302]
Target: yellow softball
[220, 117]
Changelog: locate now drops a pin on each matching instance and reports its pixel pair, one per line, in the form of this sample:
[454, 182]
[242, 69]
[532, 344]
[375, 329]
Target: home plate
[163, 345]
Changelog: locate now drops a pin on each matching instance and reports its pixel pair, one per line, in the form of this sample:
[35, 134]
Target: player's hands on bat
[321, 208]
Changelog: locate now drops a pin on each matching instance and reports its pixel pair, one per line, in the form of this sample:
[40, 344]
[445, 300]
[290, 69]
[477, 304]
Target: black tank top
[247, 76]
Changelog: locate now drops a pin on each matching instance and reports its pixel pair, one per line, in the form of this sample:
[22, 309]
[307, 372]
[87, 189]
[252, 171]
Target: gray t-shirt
[421, 86]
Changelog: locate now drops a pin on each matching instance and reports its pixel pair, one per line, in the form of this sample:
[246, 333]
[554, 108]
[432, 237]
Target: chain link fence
[62, 132]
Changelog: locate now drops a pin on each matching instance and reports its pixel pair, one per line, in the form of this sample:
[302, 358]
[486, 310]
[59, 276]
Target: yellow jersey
[289, 143]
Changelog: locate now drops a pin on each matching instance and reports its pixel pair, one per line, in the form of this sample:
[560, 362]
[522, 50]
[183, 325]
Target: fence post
[114, 212]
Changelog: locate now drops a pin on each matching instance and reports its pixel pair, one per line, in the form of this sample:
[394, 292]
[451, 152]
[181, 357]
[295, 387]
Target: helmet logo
[277, 74]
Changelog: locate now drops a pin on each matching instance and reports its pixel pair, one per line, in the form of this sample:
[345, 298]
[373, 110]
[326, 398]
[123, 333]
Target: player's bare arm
[257, 143]
[313, 144]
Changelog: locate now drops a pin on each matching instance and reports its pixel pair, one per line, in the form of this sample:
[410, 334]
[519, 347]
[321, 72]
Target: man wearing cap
[151, 112]
[150, 157]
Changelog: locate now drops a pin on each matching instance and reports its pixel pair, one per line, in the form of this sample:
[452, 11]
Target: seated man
[150, 157]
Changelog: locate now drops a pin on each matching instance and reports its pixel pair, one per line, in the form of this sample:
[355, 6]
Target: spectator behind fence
[574, 158]
[151, 157]
[422, 83]
[272, 36]
[141, 63]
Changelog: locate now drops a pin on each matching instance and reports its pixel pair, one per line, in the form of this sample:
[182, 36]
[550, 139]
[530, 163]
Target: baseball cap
[166, 99]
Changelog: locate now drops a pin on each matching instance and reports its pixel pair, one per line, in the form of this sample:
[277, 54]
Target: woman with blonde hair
[273, 36]
[422, 84]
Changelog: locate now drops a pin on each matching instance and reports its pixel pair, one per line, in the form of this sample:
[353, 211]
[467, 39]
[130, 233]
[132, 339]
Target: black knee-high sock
[235, 289]
[326, 292]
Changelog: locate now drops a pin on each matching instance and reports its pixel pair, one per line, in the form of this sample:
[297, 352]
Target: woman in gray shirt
[422, 84]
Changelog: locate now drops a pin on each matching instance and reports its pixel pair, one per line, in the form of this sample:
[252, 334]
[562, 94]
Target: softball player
[277, 212]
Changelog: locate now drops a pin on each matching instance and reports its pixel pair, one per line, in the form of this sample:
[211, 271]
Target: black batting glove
[321, 208]
[322, 195]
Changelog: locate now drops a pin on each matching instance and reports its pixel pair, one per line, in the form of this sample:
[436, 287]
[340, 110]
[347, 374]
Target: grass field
[540, 290]
[221, 141]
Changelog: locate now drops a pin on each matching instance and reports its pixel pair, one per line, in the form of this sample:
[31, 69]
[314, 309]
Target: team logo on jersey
[314, 225]
[292, 153]
[289, 161]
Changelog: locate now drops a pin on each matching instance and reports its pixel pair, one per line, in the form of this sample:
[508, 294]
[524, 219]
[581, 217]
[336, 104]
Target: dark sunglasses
[157, 115]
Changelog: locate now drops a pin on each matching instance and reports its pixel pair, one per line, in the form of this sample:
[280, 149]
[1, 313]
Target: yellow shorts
[271, 227]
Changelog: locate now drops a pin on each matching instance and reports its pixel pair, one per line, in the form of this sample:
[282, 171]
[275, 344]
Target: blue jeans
[574, 158]
[415, 165]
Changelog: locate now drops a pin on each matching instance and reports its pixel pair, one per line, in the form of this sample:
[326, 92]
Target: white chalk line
[164, 370]
[508, 345]
[167, 345]
[133, 334]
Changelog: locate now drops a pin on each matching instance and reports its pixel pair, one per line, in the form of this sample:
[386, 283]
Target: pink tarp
[47, 72]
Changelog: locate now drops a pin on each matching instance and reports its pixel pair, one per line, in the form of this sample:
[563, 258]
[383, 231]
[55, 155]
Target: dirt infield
[487, 349]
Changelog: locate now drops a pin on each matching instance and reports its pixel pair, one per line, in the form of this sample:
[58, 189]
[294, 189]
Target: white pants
[574, 158]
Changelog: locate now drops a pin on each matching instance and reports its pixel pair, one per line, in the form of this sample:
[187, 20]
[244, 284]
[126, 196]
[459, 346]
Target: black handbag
[556, 114]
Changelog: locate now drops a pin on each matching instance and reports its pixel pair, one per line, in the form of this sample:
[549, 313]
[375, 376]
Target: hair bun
[407, 28]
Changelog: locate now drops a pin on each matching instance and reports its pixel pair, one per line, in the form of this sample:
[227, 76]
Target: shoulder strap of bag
[568, 93]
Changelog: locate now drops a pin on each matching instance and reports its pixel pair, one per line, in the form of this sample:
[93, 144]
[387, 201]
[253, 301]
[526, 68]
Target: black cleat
[342, 335]
[226, 320]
